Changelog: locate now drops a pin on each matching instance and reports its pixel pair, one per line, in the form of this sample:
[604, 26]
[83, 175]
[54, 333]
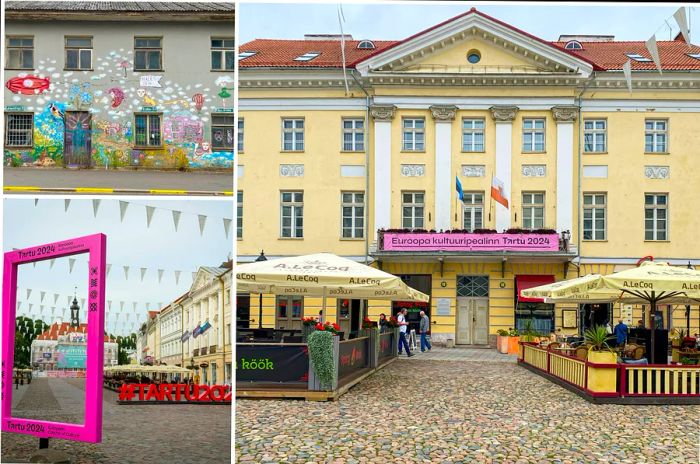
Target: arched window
[573, 45]
[366, 45]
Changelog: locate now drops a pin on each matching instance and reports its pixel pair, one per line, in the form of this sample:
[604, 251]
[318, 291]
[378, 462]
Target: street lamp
[257, 260]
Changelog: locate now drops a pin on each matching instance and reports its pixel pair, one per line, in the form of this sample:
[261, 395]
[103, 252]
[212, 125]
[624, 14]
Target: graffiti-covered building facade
[119, 84]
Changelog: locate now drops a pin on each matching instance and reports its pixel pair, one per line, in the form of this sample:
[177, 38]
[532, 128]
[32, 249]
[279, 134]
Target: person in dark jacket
[382, 323]
[424, 329]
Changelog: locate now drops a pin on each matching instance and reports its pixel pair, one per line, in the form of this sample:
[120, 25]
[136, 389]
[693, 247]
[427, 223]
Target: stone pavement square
[423, 410]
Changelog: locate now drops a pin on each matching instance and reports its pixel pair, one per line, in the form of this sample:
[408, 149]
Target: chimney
[337, 37]
[586, 38]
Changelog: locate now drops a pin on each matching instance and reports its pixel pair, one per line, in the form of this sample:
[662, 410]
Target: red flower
[336, 326]
[319, 326]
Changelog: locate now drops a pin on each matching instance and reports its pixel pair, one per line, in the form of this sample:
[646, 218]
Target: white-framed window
[656, 136]
[595, 135]
[307, 56]
[533, 135]
[222, 53]
[20, 52]
[413, 134]
[292, 134]
[412, 210]
[655, 216]
[533, 210]
[19, 129]
[222, 132]
[292, 212]
[239, 135]
[353, 214]
[353, 134]
[239, 214]
[78, 53]
[473, 135]
[594, 216]
[148, 54]
[473, 209]
[244, 55]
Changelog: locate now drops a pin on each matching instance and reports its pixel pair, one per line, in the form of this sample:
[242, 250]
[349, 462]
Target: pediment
[201, 280]
[502, 49]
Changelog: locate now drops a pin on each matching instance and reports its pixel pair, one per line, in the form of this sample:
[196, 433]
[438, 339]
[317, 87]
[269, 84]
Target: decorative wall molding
[352, 170]
[473, 170]
[443, 112]
[657, 172]
[565, 113]
[292, 170]
[595, 171]
[413, 170]
[534, 170]
[382, 112]
[503, 113]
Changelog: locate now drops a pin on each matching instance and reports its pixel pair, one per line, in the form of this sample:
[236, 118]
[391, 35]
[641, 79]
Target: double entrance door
[472, 321]
[77, 147]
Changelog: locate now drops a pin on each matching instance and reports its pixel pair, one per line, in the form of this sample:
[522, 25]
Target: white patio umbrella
[323, 275]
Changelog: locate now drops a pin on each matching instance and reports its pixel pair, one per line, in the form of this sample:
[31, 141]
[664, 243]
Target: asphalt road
[61, 181]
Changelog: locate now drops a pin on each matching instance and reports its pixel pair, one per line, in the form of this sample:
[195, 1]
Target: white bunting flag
[51, 263]
[30, 307]
[177, 277]
[66, 204]
[126, 272]
[176, 219]
[123, 205]
[109, 304]
[143, 273]
[133, 304]
[29, 292]
[36, 200]
[41, 309]
[227, 226]
[149, 215]
[682, 21]
[654, 52]
[69, 298]
[627, 70]
[42, 296]
[160, 275]
[121, 306]
[95, 206]
[202, 222]
[71, 263]
[55, 297]
[82, 302]
[109, 268]
[19, 303]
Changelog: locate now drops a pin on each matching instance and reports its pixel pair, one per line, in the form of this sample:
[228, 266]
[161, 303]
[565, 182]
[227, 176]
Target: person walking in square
[424, 329]
[621, 333]
[403, 328]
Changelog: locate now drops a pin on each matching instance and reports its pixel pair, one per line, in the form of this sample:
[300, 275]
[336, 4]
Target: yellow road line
[21, 189]
[94, 189]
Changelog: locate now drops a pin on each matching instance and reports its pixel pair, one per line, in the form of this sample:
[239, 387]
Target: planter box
[602, 379]
[513, 347]
[502, 344]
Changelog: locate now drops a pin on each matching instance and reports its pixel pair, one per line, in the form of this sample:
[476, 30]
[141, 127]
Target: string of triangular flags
[150, 210]
[682, 20]
[52, 302]
[160, 272]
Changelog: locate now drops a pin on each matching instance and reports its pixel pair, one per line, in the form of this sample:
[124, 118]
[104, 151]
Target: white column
[221, 323]
[444, 182]
[565, 117]
[383, 115]
[504, 116]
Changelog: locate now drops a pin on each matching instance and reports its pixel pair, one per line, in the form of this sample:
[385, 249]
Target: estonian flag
[460, 192]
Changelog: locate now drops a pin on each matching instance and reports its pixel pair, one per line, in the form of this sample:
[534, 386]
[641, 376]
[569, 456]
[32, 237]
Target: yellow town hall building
[596, 176]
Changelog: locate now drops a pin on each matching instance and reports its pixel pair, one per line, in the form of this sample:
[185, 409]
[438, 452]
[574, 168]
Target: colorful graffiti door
[78, 142]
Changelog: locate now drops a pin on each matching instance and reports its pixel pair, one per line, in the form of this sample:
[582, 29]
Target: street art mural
[111, 94]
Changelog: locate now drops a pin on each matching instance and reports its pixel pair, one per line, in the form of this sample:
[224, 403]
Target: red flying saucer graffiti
[28, 85]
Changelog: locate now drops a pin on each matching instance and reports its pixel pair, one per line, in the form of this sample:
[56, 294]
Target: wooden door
[481, 321]
[77, 145]
[464, 321]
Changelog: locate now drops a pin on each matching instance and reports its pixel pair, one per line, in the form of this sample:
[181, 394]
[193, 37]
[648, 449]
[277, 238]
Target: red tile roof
[611, 55]
[602, 55]
[56, 330]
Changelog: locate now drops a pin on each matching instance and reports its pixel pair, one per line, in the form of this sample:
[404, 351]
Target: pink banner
[470, 242]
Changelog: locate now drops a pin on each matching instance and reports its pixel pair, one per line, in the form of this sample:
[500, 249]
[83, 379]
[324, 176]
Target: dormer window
[573, 45]
[366, 45]
[244, 55]
[694, 55]
[307, 56]
[638, 57]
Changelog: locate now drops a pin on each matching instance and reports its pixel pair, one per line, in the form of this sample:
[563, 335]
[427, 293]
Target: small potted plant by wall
[599, 351]
[529, 334]
[308, 325]
[502, 341]
[513, 340]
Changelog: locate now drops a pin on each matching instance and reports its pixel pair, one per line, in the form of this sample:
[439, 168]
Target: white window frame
[297, 132]
[655, 132]
[355, 145]
[20, 49]
[412, 144]
[80, 50]
[595, 206]
[470, 207]
[27, 131]
[655, 207]
[595, 133]
[297, 206]
[239, 215]
[308, 56]
[530, 208]
[533, 131]
[469, 129]
[355, 230]
[240, 125]
[224, 50]
[244, 55]
[414, 206]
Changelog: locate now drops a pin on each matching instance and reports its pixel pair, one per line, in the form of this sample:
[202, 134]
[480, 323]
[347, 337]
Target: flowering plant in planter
[367, 323]
[309, 321]
[392, 322]
[331, 327]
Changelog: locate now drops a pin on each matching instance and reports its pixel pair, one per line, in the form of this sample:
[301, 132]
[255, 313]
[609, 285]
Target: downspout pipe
[579, 194]
[367, 196]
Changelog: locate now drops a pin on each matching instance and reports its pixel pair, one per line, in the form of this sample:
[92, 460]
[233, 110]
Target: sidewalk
[439, 353]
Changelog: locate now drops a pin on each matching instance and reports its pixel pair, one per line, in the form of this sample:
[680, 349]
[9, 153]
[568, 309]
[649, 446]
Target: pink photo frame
[91, 429]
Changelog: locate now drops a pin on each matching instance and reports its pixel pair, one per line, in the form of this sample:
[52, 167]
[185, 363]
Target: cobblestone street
[131, 433]
[429, 410]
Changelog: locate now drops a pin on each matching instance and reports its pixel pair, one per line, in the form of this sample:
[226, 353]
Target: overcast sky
[398, 20]
[129, 243]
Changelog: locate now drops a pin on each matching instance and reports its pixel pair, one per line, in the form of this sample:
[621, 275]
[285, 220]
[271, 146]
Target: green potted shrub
[599, 351]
